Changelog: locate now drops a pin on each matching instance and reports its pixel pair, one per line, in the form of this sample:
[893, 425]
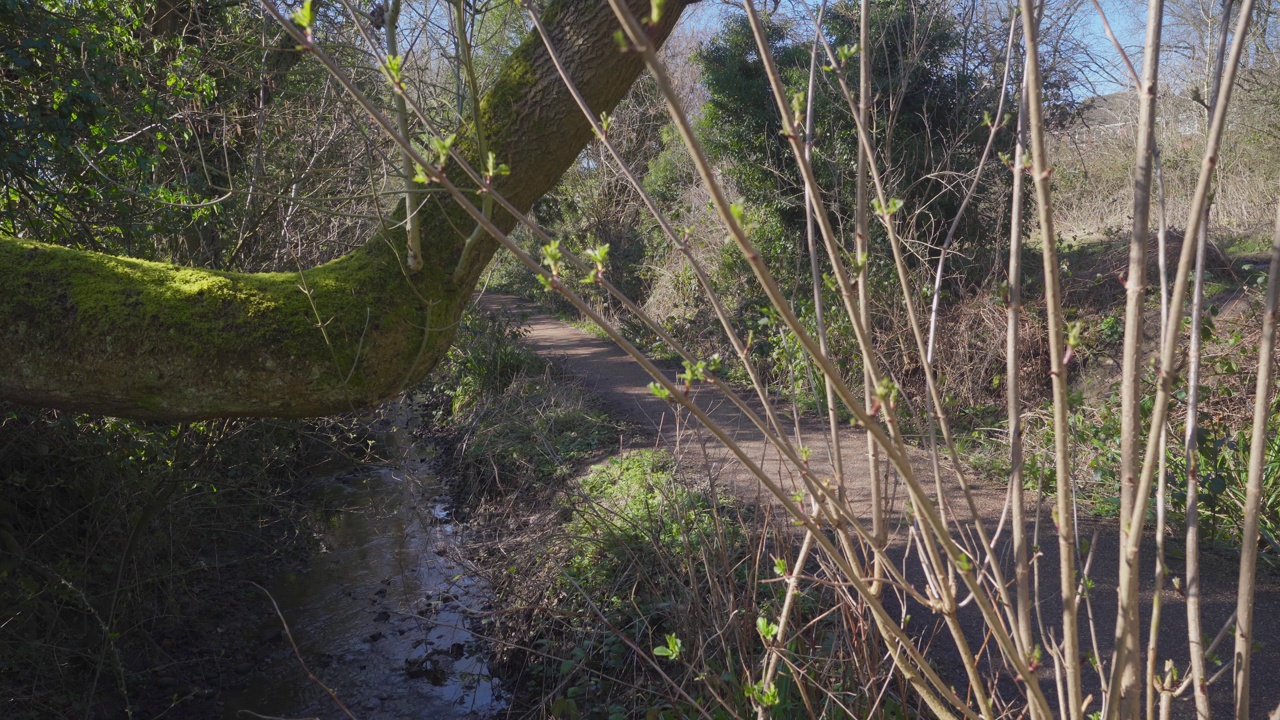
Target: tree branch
[119, 336]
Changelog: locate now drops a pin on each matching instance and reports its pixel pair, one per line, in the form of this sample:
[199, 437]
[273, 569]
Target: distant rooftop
[1118, 110]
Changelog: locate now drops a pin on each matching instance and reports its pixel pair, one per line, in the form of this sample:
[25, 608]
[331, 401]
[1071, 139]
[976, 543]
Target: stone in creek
[434, 670]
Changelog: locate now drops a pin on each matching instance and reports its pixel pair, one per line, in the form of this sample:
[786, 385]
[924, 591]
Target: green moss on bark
[345, 334]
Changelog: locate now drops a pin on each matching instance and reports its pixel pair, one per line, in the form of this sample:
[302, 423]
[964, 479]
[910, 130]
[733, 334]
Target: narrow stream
[380, 617]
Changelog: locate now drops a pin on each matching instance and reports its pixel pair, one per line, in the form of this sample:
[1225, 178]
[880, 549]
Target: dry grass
[638, 551]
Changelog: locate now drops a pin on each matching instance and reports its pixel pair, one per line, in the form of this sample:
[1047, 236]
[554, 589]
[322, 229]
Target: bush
[646, 594]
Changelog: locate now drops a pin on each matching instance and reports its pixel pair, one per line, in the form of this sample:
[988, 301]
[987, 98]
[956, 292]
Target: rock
[432, 668]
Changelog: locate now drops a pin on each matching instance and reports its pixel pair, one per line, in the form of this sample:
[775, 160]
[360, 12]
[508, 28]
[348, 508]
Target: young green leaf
[846, 52]
[599, 254]
[495, 168]
[393, 64]
[552, 256]
[304, 16]
[655, 11]
[671, 650]
[767, 629]
[884, 212]
[442, 146]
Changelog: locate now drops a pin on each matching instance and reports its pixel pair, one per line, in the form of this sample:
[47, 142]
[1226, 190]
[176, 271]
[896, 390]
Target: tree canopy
[926, 115]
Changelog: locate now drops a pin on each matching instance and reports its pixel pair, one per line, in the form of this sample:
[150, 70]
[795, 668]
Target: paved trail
[621, 387]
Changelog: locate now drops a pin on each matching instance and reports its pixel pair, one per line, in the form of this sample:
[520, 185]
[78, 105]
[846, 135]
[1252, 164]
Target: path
[621, 387]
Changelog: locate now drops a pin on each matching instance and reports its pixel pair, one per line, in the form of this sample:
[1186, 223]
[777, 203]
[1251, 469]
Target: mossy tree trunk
[119, 336]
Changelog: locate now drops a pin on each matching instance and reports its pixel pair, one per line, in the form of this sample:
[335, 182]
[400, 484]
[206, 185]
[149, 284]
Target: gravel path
[621, 387]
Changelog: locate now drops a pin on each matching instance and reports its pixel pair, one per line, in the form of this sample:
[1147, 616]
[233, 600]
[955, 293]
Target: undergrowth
[647, 595]
[510, 419]
[126, 547]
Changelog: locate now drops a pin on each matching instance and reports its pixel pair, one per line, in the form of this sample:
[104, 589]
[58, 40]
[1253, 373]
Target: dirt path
[622, 388]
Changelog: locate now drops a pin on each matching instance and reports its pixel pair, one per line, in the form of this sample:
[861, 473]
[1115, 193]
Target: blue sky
[1128, 20]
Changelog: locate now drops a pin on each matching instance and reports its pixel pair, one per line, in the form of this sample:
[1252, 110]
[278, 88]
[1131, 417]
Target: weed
[1111, 330]
[636, 516]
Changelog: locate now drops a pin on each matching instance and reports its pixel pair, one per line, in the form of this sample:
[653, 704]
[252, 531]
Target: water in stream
[380, 617]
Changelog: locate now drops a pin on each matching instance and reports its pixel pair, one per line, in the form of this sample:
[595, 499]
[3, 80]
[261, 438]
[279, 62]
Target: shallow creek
[380, 616]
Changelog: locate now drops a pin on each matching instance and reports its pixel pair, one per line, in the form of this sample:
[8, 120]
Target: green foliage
[767, 629]
[930, 110]
[514, 421]
[670, 171]
[74, 79]
[638, 534]
[151, 130]
[1097, 433]
[1111, 329]
[304, 16]
[1220, 467]
[639, 513]
[765, 695]
[648, 560]
[671, 650]
[484, 363]
[1222, 470]
[782, 359]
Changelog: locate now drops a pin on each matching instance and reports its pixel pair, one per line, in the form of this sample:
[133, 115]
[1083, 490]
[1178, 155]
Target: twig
[1253, 489]
[333, 695]
[1058, 372]
[1124, 693]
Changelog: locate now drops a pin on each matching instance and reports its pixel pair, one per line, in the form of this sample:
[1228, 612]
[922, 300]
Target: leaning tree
[121, 336]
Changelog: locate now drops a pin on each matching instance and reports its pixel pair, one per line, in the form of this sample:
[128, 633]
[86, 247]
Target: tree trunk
[119, 336]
